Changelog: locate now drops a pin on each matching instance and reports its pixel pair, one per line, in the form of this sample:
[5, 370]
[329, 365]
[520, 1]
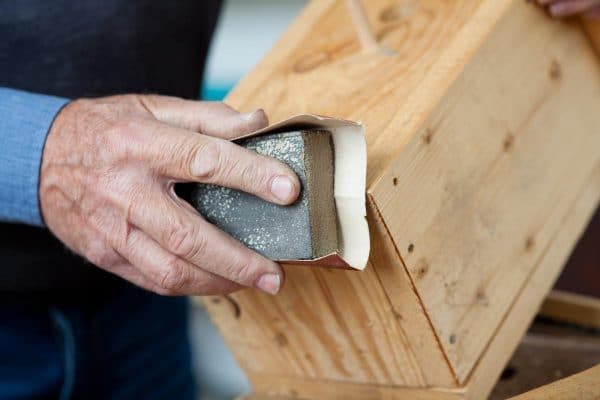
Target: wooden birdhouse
[482, 122]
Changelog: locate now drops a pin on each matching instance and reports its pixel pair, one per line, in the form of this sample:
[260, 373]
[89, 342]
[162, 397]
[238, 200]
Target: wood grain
[582, 386]
[488, 177]
[290, 388]
[337, 325]
[526, 304]
[318, 67]
[481, 119]
[571, 307]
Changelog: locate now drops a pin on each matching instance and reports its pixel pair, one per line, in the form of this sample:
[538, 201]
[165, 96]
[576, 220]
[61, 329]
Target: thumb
[207, 117]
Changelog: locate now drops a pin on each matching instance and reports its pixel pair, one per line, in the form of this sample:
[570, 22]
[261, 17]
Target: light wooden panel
[572, 307]
[288, 388]
[547, 269]
[337, 325]
[318, 67]
[497, 353]
[481, 119]
[486, 180]
[582, 386]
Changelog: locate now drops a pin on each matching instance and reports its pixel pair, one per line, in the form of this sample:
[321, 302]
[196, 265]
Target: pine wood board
[582, 386]
[336, 325]
[318, 67]
[486, 180]
[477, 153]
[549, 351]
[296, 388]
[572, 307]
[548, 267]
[498, 352]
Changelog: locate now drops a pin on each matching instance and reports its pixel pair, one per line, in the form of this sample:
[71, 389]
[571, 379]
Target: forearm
[25, 119]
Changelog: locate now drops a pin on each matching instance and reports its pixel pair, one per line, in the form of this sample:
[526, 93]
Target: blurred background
[246, 31]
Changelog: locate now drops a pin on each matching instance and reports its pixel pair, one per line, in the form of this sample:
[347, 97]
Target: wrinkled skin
[567, 8]
[106, 191]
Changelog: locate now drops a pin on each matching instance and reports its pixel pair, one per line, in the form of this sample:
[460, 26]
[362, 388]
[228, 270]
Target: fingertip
[240, 124]
[285, 189]
[256, 119]
[271, 282]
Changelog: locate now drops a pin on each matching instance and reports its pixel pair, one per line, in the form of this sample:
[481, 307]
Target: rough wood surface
[540, 282]
[548, 352]
[336, 325]
[477, 177]
[481, 119]
[572, 307]
[319, 67]
[296, 388]
[582, 386]
[499, 351]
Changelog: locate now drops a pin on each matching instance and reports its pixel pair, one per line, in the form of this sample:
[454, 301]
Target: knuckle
[255, 177]
[146, 101]
[123, 127]
[129, 240]
[250, 175]
[207, 160]
[184, 240]
[174, 278]
[178, 238]
[118, 140]
[223, 106]
[96, 117]
[240, 271]
[100, 255]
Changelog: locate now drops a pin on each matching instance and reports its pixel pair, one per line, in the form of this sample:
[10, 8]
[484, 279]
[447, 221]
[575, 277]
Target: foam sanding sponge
[305, 230]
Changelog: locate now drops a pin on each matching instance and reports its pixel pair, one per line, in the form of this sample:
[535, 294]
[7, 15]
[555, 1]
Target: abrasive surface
[277, 232]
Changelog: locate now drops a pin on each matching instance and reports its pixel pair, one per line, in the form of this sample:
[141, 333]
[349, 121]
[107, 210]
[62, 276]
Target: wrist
[24, 126]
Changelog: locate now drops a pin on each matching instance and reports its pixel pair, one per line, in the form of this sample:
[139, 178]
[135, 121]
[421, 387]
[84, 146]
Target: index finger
[186, 156]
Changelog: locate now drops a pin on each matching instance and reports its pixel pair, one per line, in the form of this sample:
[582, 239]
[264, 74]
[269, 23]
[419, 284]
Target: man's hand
[106, 191]
[567, 8]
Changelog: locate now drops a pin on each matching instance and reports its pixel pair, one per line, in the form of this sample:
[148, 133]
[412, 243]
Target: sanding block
[326, 226]
[303, 230]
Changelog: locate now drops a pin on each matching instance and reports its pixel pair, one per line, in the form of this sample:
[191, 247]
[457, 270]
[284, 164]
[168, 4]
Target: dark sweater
[89, 48]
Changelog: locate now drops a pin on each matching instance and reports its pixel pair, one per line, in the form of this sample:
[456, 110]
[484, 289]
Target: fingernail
[269, 283]
[282, 188]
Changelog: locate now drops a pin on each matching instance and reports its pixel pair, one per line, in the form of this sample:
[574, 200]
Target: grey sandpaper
[304, 230]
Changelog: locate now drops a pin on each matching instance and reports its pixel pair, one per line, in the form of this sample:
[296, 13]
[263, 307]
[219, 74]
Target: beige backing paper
[350, 155]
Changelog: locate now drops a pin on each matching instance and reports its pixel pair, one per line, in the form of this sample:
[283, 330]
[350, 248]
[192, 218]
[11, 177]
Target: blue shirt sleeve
[25, 119]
